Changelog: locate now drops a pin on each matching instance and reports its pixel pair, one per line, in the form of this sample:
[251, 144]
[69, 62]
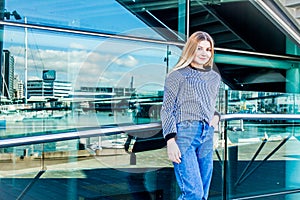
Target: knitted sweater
[189, 94]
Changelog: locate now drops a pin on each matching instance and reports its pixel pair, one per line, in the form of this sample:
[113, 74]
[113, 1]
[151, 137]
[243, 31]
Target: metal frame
[140, 39]
[77, 134]
[100, 131]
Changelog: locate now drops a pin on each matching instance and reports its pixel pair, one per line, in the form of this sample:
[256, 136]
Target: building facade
[48, 86]
[7, 75]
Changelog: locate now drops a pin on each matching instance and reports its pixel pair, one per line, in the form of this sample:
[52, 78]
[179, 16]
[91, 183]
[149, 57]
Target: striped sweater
[189, 94]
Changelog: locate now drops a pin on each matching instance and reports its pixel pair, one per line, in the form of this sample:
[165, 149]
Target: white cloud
[128, 61]
[74, 45]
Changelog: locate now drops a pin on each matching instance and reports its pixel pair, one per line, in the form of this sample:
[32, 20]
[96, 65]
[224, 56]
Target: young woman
[188, 116]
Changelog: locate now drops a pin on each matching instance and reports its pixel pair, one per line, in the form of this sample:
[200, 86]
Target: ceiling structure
[236, 25]
[292, 9]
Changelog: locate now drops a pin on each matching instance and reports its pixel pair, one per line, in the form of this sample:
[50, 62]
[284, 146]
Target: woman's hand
[174, 153]
[215, 121]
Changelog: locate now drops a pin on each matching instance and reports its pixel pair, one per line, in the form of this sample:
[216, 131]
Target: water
[260, 130]
[79, 120]
[71, 121]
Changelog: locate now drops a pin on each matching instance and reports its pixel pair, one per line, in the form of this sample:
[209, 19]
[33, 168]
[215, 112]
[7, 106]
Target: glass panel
[39, 172]
[104, 16]
[262, 154]
[75, 81]
[79, 83]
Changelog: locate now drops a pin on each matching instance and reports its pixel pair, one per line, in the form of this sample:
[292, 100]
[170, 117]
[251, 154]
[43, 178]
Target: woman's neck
[201, 67]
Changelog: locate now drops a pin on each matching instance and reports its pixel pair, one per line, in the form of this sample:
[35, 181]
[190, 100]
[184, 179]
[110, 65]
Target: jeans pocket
[184, 124]
[186, 134]
[208, 133]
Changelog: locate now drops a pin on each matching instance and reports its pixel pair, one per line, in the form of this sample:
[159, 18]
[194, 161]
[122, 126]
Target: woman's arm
[168, 119]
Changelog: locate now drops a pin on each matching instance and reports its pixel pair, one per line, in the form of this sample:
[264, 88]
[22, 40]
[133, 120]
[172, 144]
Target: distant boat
[17, 117]
[40, 115]
[9, 113]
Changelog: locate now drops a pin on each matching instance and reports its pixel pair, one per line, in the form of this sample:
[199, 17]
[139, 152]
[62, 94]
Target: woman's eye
[201, 49]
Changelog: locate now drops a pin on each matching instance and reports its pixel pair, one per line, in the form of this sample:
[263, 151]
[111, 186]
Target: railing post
[225, 150]
[132, 159]
[232, 168]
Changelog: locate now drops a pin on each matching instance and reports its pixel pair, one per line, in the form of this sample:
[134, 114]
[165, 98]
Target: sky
[87, 61]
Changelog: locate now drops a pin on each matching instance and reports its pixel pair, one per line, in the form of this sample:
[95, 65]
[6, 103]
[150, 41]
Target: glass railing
[261, 158]
[85, 164]
[257, 157]
[260, 138]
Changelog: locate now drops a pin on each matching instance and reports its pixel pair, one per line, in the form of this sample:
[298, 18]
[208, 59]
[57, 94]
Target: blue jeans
[193, 174]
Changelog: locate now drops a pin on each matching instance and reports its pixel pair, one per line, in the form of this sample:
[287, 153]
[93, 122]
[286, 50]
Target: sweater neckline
[201, 70]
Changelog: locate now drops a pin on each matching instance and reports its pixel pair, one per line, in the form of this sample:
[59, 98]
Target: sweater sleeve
[168, 109]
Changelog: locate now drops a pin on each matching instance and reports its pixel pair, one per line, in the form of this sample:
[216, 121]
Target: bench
[144, 141]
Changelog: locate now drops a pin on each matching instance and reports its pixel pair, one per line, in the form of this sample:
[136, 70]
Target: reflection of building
[117, 91]
[262, 102]
[48, 87]
[61, 88]
[7, 75]
[18, 88]
[102, 98]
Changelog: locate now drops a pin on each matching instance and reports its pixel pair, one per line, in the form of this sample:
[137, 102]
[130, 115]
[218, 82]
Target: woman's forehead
[204, 43]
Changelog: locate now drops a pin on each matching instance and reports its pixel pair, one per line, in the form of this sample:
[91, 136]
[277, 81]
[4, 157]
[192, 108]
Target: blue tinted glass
[101, 16]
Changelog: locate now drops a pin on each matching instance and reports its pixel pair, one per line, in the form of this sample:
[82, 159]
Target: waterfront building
[118, 91]
[18, 88]
[7, 75]
[62, 89]
[48, 86]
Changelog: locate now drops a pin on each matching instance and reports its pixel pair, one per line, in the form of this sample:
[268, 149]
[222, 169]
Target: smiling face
[202, 55]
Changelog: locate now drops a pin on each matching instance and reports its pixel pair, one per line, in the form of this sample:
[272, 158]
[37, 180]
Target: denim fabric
[193, 174]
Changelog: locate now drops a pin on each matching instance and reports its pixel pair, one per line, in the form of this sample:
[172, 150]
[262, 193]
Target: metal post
[225, 150]
[26, 61]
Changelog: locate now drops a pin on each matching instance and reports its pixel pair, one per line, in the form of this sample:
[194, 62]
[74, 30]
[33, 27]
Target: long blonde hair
[189, 50]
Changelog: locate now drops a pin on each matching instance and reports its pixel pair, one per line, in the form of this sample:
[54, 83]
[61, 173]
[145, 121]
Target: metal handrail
[245, 116]
[11, 142]
[140, 39]
[28, 140]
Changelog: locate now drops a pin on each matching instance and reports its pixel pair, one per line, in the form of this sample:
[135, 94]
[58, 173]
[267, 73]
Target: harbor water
[72, 121]
[69, 121]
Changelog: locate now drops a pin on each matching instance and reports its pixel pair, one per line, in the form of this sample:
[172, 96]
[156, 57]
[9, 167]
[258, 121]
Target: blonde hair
[189, 50]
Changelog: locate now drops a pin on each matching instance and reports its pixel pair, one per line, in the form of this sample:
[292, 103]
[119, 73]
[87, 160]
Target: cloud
[74, 45]
[128, 61]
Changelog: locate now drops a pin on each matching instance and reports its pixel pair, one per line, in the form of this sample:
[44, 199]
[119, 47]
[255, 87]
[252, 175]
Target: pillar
[182, 18]
[292, 74]
[292, 171]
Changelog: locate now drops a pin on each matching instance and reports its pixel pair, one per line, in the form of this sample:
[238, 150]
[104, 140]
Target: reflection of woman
[189, 117]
